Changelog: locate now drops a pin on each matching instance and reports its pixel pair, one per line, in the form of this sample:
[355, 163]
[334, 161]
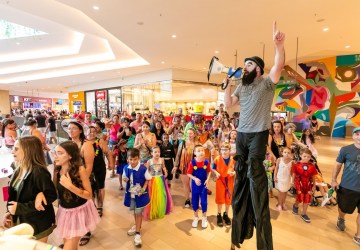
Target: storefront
[76, 101]
[30, 102]
[169, 96]
[103, 102]
[60, 104]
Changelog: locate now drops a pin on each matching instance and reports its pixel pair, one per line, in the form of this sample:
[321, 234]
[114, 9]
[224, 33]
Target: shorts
[348, 200]
[120, 168]
[52, 134]
[133, 208]
[112, 143]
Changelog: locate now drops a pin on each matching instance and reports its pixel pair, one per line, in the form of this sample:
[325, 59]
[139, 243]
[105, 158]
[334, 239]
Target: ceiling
[122, 38]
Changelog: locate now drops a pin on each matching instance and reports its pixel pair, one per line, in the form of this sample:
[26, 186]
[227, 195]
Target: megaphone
[216, 67]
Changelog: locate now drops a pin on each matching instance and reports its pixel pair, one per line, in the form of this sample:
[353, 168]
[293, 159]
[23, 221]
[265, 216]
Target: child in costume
[282, 176]
[168, 154]
[269, 168]
[223, 168]
[199, 173]
[160, 198]
[137, 177]
[304, 181]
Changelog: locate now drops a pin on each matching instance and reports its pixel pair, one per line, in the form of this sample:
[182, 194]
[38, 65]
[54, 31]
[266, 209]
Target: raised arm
[279, 39]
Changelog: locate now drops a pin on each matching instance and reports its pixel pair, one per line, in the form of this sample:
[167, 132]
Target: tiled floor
[175, 231]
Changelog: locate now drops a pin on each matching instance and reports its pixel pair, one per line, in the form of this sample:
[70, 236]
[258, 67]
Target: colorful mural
[328, 89]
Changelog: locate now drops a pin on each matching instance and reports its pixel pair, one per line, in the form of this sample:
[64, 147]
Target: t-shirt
[255, 105]
[350, 157]
[135, 124]
[40, 119]
[52, 123]
[198, 165]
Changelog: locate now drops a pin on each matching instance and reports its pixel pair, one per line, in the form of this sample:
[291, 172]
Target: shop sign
[100, 94]
[27, 99]
[76, 102]
[75, 96]
[43, 100]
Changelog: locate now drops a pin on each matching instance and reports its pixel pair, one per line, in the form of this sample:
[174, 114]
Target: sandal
[100, 211]
[85, 239]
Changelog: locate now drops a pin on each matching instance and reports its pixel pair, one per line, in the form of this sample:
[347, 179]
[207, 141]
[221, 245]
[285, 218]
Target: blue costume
[200, 171]
[136, 176]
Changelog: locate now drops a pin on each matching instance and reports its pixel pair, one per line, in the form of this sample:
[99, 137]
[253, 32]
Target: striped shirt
[255, 105]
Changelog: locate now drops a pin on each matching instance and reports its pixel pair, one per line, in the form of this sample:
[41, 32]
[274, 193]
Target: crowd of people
[244, 158]
[146, 155]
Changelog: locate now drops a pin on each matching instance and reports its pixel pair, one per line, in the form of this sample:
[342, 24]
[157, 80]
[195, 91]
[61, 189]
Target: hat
[198, 109]
[122, 141]
[258, 61]
[356, 129]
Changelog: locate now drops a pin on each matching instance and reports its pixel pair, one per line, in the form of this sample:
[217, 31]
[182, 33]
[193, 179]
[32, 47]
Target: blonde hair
[33, 155]
[225, 145]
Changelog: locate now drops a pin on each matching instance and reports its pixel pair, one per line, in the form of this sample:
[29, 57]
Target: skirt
[161, 202]
[75, 222]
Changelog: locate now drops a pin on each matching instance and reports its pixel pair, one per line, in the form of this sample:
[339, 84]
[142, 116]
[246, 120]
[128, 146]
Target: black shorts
[348, 200]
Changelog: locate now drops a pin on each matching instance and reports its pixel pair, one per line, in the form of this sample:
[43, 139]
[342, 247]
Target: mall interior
[144, 56]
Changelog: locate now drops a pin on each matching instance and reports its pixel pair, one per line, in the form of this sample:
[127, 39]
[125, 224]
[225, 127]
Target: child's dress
[160, 198]
[284, 176]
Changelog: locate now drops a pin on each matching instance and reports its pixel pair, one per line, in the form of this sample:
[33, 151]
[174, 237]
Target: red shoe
[209, 192]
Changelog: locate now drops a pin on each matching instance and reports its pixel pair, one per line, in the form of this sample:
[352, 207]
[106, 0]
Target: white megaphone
[216, 67]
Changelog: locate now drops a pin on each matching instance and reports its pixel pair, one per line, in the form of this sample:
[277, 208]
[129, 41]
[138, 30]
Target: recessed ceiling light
[162, 62]
[325, 29]
[173, 36]
[216, 52]
[204, 68]
[17, 43]
[96, 7]
[347, 46]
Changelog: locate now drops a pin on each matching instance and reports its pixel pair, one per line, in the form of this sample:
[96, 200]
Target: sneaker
[137, 240]
[204, 222]
[356, 239]
[132, 231]
[226, 219]
[295, 210]
[219, 220]
[195, 222]
[306, 218]
[187, 203]
[340, 224]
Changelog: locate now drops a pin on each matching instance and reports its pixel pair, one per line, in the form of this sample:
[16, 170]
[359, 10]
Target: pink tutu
[75, 222]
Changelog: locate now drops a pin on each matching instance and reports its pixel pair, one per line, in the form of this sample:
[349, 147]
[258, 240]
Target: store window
[90, 102]
[115, 101]
[101, 104]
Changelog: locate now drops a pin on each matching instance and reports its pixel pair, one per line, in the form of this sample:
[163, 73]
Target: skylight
[10, 30]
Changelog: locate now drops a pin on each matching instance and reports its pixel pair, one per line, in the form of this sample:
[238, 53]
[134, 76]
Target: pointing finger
[274, 27]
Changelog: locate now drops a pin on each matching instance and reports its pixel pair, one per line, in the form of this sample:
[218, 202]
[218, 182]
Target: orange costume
[225, 183]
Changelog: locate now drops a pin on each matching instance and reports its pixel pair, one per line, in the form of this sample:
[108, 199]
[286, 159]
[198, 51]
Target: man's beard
[249, 77]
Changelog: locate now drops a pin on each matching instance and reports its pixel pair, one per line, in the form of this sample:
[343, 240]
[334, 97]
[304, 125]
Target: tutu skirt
[75, 222]
[160, 199]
